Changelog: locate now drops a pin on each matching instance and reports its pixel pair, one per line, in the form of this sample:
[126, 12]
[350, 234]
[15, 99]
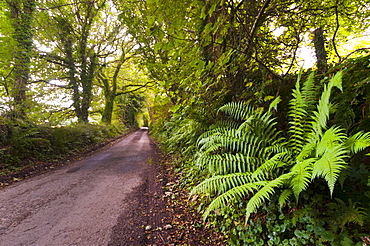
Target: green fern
[270, 166]
[302, 177]
[309, 93]
[250, 159]
[237, 110]
[343, 213]
[221, 183]
[329, 166]
[284, 197]
[228, 163]
[265, 192]
[358, 142]
[235, 193]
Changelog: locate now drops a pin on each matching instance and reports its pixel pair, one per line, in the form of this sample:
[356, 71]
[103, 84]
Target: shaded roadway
[77, 204]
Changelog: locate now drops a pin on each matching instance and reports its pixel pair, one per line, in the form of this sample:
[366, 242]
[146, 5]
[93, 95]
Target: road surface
[78, 204]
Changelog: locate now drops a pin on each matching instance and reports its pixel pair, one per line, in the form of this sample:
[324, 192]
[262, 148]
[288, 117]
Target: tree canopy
[195, 51]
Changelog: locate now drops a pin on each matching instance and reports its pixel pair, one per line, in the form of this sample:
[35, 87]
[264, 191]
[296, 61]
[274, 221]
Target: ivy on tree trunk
[21, 12]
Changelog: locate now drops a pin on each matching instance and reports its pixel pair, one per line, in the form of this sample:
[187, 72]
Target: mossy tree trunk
[110, 89]
[79, 57]
[21, 12]
[319, 43]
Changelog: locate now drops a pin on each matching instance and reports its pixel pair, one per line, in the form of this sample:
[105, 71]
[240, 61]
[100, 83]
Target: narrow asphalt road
[78, 204]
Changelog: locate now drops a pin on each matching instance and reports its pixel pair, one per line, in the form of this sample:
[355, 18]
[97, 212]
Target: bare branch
[53, 59]
[336, 30]
[64, 5]
[268, 69]
[49, 83]
[361, 49]
[293, 58]
[133, 90]
[255, 25]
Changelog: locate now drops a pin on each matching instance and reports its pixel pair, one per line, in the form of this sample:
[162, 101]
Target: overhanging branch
[49, 83]
[255, 25]
[336, 30]
[64, 5]
[133, 90]
[347, 56]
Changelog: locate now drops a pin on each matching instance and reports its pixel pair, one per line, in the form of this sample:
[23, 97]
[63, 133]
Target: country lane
[77, 204]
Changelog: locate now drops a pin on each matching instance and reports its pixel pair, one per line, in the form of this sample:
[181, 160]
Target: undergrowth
[23, 144]
[287, 215]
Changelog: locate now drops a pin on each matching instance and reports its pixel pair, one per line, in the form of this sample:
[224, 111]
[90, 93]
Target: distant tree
[72, 28]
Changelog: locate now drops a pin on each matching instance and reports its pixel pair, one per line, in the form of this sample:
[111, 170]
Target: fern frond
[233, 142]
[277, 146]
[247, 125]
[221, 183]
[248, 143]
[265, 192]
[329, 166]
[209, 145]
[298, 125]
[225, 124]
[206, 136]
[358, 142]
[321, 116]
[297, 138]
[269, 166]
[274, 104]
[302, 171]
[237, 110]
[331, 137]
[228, 163]
[265, 127]
[309, 92]
[284, 197]
[336, 80]
[345, 214]
[238, 192]
[323, 110]
[307, 151]
[211, 141]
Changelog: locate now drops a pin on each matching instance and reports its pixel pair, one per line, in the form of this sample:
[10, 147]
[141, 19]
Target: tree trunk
[22, 15]
[87, 79]
[108, 110]
[88, 64]
[110, 90]
[68, 44]
[319, 43]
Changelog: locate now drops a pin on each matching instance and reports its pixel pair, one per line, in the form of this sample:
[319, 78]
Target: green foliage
[353, 111]
[255, 161]
[179, 135]
[129, 106]
[23, 145]
[310, 224]
[346, 214]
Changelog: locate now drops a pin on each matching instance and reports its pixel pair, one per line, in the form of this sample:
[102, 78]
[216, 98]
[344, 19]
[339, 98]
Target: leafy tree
[203, 54]
[118, 78]
[6, 53]
[72, 27]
